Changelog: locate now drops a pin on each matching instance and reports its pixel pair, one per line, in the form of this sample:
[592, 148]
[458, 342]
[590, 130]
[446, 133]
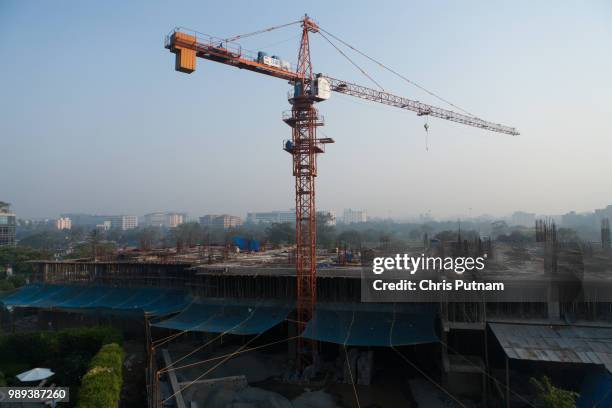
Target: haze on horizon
[93, 117]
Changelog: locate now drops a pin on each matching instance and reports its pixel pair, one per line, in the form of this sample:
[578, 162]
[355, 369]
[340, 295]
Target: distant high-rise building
[330, 215]
[223, 221]
[352, 216]
[63, 223]
[104, 226]
[123, 222]
[603, 213]
[522, 218]
[271, 217]
[573, 219]
[129, 222]
[208, 220]
[86, 220]
[7, 225]
[175, 219]
[164, 219]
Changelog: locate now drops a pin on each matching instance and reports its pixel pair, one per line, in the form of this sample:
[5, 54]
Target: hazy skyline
[94, 119]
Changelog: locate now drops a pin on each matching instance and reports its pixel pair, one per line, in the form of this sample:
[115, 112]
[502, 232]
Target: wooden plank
[233, 382]
[174, 384]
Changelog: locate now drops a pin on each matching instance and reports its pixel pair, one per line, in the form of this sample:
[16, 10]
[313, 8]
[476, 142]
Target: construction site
[221, 326]
[289, 326]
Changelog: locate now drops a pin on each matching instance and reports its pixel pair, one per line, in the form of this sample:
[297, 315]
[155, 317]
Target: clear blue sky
[94, 118]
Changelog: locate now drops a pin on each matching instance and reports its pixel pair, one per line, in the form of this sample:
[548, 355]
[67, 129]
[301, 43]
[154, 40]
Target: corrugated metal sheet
[564, 344]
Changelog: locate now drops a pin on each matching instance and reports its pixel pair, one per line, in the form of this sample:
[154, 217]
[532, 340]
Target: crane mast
[304, 149]
[304, 146]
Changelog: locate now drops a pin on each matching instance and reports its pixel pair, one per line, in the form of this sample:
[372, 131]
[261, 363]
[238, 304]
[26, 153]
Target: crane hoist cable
[265, 30]
[426, 126]
[293, 37]
[322, 30]
[351, 61]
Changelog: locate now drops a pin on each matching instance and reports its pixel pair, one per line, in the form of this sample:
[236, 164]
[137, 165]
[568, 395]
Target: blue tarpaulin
[372, 325]
[157, 301]
[596, 391]
[213, 316]
[246, 244]
[342, 323]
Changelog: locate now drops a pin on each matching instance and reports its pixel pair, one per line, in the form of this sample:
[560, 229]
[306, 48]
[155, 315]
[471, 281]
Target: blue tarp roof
[373, 325]
[342, 323]
[596, 391]
[215, 317]
[157, 301]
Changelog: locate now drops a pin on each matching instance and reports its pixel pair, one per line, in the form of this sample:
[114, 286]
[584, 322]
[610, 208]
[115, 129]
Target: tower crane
[304, 146]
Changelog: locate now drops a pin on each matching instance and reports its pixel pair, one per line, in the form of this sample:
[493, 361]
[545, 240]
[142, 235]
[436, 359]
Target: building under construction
[213, 318]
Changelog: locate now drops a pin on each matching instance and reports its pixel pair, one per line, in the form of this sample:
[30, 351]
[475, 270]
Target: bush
[17, 280]
[31, 348]
[87, 339]
[13, 282]
[36, 348]
[6, 285]
[550, 396]
[101, 385]
[19, 256]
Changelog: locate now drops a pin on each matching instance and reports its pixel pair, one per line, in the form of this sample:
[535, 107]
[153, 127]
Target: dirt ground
[264, 371]
[134, 391]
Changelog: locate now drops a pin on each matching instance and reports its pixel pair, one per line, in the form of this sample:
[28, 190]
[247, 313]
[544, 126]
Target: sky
[93, 117]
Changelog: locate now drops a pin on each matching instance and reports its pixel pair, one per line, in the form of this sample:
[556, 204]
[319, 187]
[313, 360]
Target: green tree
[50, 240]
[103, 249]
[77, 234]
[148, 238]
[18, 257]
[94, 239]
[326, 233]
[498, 228]
[114, 235]
[517, 236]
[550, 396]
[280, 233]
[567, 235]
[187, 234]
[350, 238]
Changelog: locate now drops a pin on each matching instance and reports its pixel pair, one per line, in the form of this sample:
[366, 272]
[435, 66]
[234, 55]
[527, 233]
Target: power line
[232, 354]
[348, 364]
[265, 30]
[212, 368]
[487, 374]
[396, 73]
[352, 62]
[428, 377]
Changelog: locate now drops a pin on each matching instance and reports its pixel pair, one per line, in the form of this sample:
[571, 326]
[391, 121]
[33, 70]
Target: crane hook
[426, 126]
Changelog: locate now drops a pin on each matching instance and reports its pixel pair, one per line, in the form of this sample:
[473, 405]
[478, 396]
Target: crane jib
[188, 46]
[420, 108]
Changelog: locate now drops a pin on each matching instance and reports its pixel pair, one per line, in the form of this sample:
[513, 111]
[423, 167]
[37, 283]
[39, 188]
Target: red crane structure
[304, 146]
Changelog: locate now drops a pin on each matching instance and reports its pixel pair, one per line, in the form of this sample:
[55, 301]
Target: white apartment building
[164, 219]
[123, 222]
[351, 216]
[224, 221]
[63, 223]
[271, 217]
